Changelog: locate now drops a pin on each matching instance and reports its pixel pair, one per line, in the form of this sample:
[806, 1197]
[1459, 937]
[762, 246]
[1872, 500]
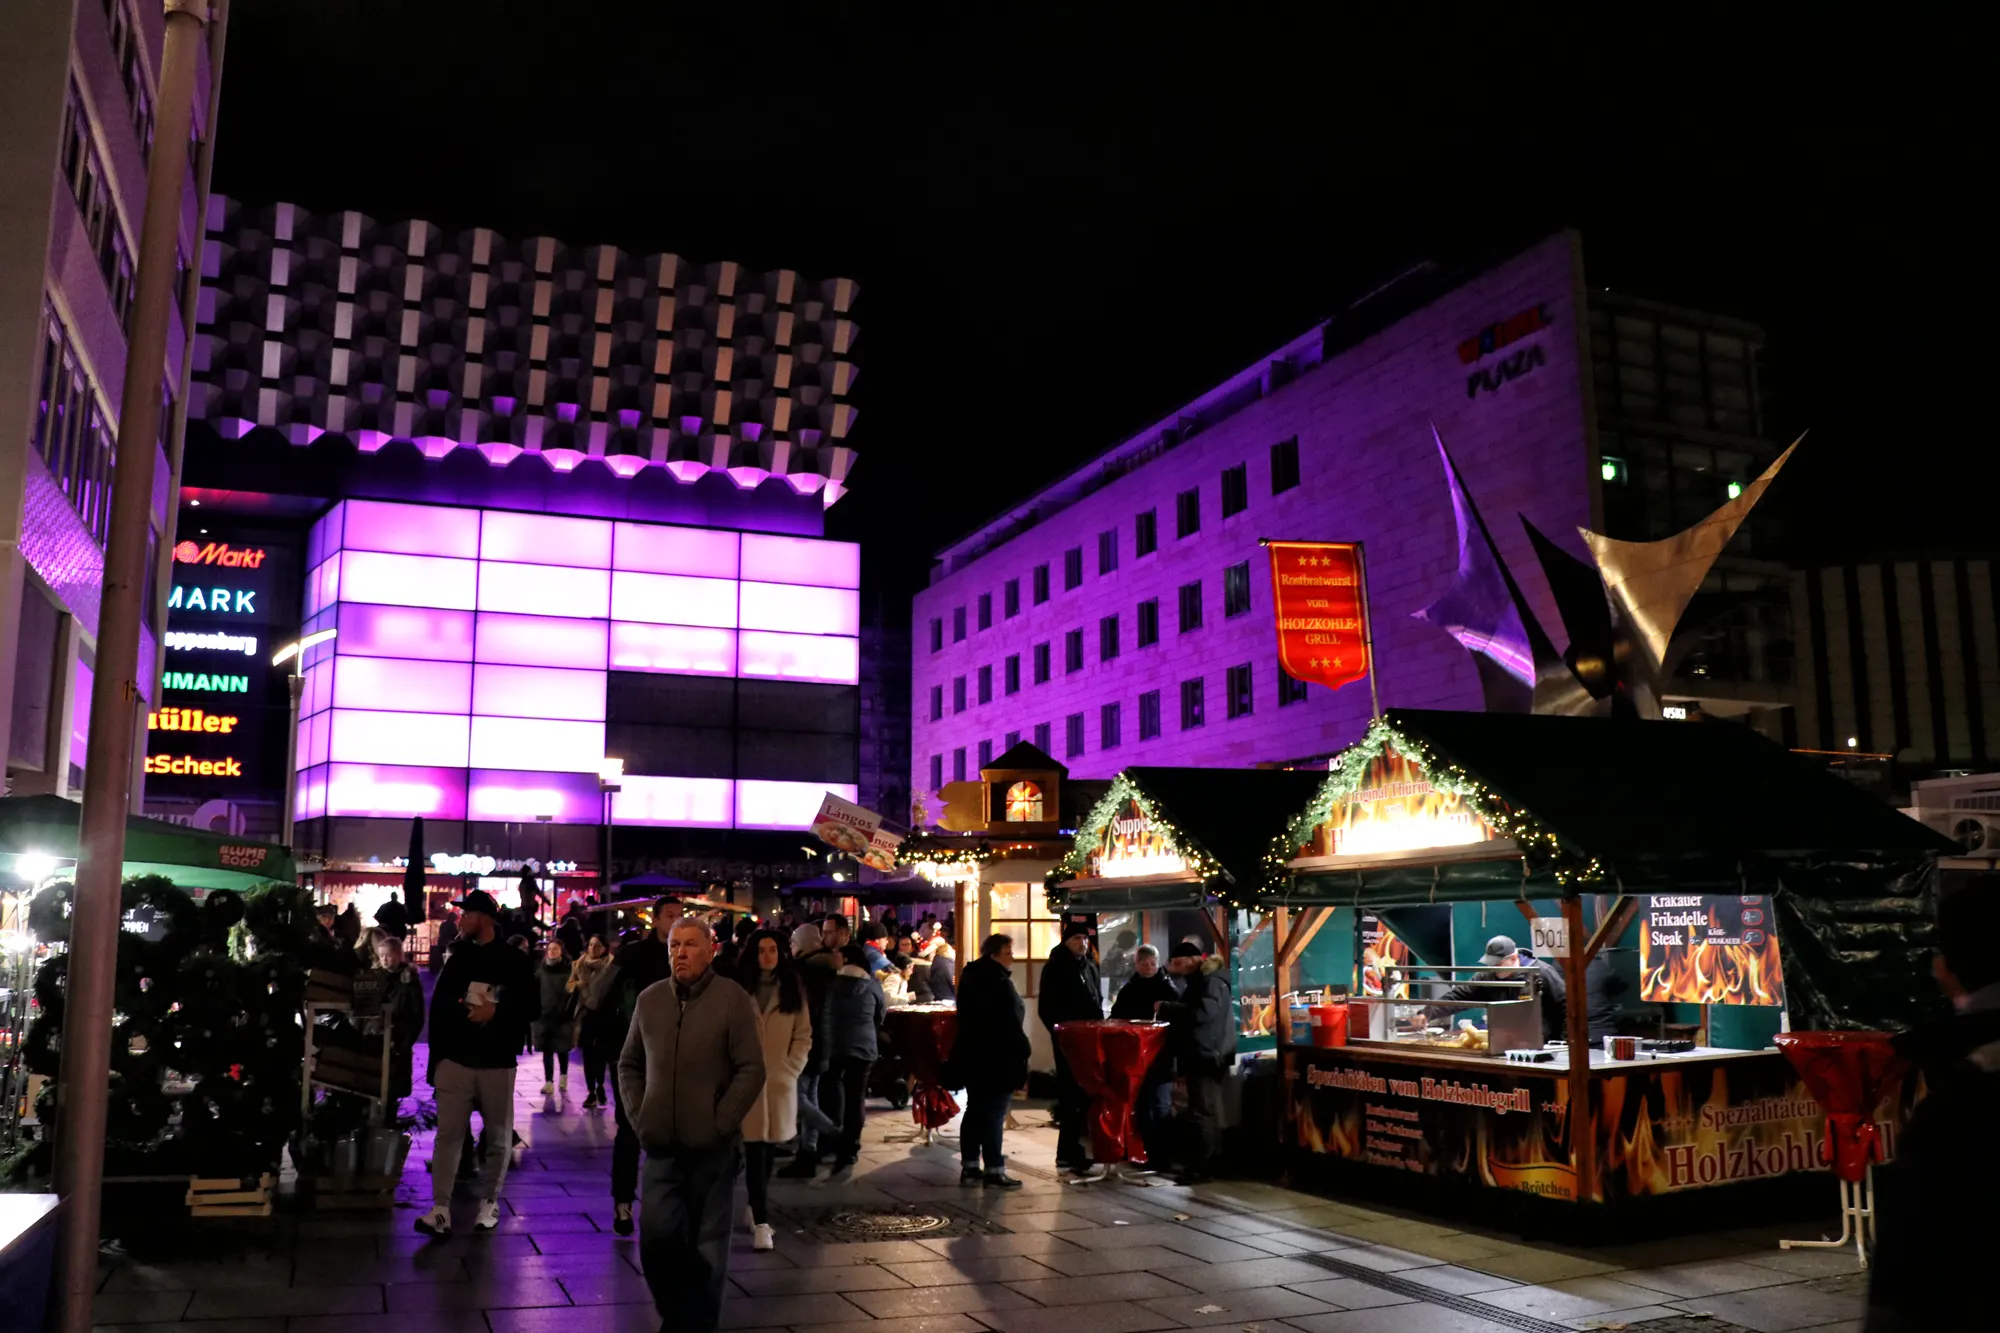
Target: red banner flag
[1321, 611]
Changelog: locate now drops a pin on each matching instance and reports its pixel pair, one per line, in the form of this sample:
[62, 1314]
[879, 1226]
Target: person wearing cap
[1203, 1042]
[1501, 951]
[1071, 993]
[480, 1011]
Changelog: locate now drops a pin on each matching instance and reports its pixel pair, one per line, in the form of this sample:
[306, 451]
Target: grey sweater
[691, 1069]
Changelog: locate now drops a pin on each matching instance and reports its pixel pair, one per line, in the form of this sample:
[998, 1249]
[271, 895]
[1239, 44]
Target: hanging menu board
[1703, 949]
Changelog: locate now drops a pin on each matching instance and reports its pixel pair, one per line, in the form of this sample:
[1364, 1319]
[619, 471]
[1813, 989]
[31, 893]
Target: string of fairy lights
[1540, 846]
[1123, 792]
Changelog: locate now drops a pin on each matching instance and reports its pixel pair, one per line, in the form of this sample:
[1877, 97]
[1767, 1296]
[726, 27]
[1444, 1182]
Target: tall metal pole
[107, 782]
[295, 685]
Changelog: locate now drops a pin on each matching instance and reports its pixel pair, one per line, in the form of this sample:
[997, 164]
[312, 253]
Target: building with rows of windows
[78, 87]
[1123, 615]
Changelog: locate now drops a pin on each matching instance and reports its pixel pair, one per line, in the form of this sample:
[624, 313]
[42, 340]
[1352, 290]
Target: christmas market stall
[1543, 962]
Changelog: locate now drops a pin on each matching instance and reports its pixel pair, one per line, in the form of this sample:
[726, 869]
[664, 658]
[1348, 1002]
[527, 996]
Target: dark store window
[958, 764]
[1190, 606]
[1191, 704]
[1149, 622]
[1149, 715]
[1108, 727]
[1073, 735]
[986, 610]
[1107, 551]
[1042, 741]
[1013, 675]
[1041, 584]
[937, 771]
[1236, 590]
[1291, 690]
[1239, 690]
[958, 624]
[1072, 568]
[937, 703]
[1146, 533]
[937, 634]
[1041, 664]
[1072, 651]
[986, 684]
[958, 694]
[1107, 638]
[1235, 489]
[1011, 599]
[985, 754]
[1187, 513]
[1284, 465]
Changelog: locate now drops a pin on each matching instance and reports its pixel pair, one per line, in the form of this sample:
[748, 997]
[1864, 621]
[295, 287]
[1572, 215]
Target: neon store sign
[220, 643]
[189, 719]
[188, 766]
[202, 680]
[218, 553]
[215, 601]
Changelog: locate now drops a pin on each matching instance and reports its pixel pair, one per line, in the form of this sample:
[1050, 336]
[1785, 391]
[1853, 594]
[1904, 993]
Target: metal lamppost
[610, 780]
[84, 1103]
[295, 684]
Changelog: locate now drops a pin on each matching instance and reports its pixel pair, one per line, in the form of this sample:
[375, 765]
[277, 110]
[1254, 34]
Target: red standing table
[1110, 1059]
[923, 1035]
[1848, 1073]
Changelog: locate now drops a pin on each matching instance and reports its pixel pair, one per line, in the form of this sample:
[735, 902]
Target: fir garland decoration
[1124, 791]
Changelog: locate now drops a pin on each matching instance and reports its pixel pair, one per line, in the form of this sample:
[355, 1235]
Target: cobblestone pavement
[1049, 1258]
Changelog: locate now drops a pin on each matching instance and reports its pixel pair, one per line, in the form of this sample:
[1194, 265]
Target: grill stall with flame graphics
[1659, 1130]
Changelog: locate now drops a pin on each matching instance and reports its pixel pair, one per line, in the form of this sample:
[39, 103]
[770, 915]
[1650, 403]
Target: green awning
[191, 858]
[1140, 895]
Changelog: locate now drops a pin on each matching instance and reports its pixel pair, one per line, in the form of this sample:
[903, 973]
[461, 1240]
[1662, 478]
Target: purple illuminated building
[560, 505]
[79, 85]
[1123, 614]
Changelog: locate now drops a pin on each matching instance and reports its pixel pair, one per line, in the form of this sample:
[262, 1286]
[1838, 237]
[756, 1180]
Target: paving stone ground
[1050, 1258]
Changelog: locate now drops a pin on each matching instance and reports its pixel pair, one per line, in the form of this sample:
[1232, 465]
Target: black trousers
[684, 1235]
[594, 1064]
[847, 1078]
[1072, 1112]
[1203, 1131]
[624, 1153]
[758, 1159]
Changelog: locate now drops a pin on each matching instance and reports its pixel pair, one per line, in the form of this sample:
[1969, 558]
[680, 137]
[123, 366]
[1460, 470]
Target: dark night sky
[1067, 224]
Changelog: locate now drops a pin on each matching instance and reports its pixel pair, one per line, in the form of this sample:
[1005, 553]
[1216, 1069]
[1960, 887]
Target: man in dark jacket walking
[1071, 993]
[1139, 1001]
[854, 1014]
[1932, 1253]
[480, 1011]
[613, 999]
[989, 1059]
[691, 1069]
[1203, 1041]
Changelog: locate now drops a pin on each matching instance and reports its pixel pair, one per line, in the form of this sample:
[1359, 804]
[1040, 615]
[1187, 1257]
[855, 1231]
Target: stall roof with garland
[1599, 799]
[1221, 821]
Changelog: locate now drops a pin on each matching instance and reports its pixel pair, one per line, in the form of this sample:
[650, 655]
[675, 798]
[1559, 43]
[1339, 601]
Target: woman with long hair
[596, 1060]
[784, 1029]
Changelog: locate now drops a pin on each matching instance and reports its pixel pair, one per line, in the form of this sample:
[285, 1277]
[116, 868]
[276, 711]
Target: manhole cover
[846, 1222]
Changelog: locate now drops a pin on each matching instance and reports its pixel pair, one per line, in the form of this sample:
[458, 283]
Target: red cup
[1329, 1024]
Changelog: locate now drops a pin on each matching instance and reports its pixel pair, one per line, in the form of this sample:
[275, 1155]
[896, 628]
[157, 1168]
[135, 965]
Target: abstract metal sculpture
[1620, 614]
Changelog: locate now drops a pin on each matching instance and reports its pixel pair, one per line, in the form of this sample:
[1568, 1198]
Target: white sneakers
[489, 1216]
[762, 1237]
[437, 1222]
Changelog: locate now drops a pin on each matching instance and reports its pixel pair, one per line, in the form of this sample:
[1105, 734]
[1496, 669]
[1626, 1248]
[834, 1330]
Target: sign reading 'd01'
[1317, 597]
[1548, 937]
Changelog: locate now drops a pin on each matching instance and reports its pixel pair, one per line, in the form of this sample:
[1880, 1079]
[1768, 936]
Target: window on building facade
[985, 755]
[1013, 674]
[1072, 651]
[958, 694]
[1024, 801]
[1190, 606]
[1235, 489]
[986, 610]
[1041, 584]
[1291, 690]
[1149, 715]
[1187, 513]
[90, 184]
[1239, 690]
[958, 624]
[1149, 622]
[937, 703]
[1191, 704]
[1041, 664]
[1042, 741]
[986, 684]
[1107, 638]
[1108, 725]
[958, 764]
[1073, 735]
[1072, 568]
[72, 430]
[1236, 590]
[1011, 599]
[1107, 551]
[937, 634]
[1145, 533]
[1284, 465]
[937, 771]
[1013, 739]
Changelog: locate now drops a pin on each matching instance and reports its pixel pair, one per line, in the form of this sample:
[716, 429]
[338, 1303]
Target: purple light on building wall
[388, 791]
[816, 657]
[801, 610]
[430, 740]
[649, 548]
[408, 580]
[372, 525]
[398, 631]
[510, 797]
[539, 744]
[673, 599]
[784, 805]
[690, 650]
[544, 590]
[544, 692]
[541, 641]
[400, 685]
[683, 802]
[768, 559]
[544, 539]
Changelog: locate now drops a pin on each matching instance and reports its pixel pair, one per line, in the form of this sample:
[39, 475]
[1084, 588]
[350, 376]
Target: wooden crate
[230, 1196]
